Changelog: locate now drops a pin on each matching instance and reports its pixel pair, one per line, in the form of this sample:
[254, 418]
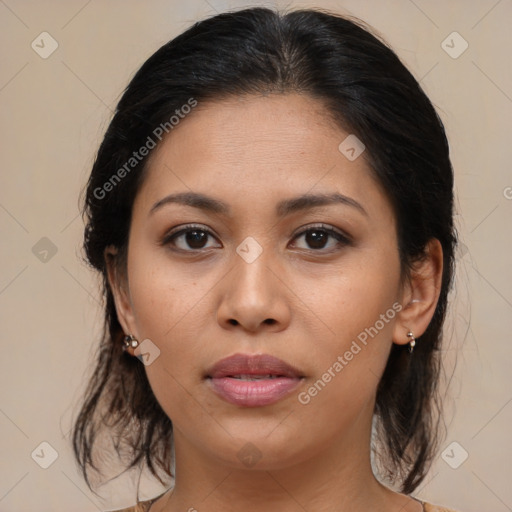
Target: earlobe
[421, 295]
[119, 286]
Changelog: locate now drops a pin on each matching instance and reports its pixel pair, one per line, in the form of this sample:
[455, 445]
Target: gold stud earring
[130, 341]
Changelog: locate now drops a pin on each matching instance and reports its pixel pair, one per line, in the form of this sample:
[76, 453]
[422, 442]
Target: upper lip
[247, 364]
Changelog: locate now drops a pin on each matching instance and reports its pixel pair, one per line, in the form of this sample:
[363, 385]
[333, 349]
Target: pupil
[316, 239]
[195, 238]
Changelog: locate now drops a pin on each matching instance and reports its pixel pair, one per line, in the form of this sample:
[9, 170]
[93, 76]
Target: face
[315, 285]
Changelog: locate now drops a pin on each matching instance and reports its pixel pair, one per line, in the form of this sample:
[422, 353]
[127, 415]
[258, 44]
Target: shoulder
[429, 507]
[142, 506]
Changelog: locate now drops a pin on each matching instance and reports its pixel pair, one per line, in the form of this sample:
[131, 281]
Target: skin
[206, 304]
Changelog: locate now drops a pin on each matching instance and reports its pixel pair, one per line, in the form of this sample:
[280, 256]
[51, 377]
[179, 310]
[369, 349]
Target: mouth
[254, 377]
[253, 380]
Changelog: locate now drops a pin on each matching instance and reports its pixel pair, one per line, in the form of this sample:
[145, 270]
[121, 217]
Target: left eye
[316, 237]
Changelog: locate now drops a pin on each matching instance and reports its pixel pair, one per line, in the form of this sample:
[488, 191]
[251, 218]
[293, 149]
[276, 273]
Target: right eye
[190, 238]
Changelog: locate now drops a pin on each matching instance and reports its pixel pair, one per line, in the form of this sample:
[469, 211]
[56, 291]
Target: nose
[254, 296]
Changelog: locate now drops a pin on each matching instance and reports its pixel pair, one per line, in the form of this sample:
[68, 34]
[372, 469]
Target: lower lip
[253, 393]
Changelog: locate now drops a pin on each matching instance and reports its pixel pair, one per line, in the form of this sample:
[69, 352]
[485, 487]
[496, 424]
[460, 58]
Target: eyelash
[342, 239]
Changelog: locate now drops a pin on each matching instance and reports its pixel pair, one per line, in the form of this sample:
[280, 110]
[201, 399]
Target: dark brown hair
[370, 93]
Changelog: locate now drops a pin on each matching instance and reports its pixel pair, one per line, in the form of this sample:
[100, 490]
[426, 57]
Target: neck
[337, 478]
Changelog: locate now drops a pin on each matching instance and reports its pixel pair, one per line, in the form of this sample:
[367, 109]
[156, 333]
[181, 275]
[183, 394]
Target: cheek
[165, 303]
[354, 300]
[358, 310]
[161, 294]
[166, 313]
[347, 373]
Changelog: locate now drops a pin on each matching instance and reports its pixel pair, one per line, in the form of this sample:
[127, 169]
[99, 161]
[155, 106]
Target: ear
[420, 294]
[120, 290]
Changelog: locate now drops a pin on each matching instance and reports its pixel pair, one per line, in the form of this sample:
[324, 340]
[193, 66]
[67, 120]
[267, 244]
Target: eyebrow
[283, 208]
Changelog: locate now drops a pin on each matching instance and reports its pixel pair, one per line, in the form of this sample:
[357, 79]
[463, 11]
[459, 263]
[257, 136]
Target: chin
[257, 450]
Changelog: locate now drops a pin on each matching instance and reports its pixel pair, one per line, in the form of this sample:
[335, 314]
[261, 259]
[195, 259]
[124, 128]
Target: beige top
[144, 506]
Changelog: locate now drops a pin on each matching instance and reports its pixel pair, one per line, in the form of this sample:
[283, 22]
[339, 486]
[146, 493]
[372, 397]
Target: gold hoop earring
[412, 343]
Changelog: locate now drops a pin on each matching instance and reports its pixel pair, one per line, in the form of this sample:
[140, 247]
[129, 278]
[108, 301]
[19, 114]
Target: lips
[254, 365]
[253, 380]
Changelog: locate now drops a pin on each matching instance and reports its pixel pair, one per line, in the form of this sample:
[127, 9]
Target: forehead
[274, 125]
[257, 147]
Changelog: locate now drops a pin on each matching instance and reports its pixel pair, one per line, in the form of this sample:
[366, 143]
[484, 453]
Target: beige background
[54, 113]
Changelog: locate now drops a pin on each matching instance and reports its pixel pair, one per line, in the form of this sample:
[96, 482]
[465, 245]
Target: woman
[271, 211]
